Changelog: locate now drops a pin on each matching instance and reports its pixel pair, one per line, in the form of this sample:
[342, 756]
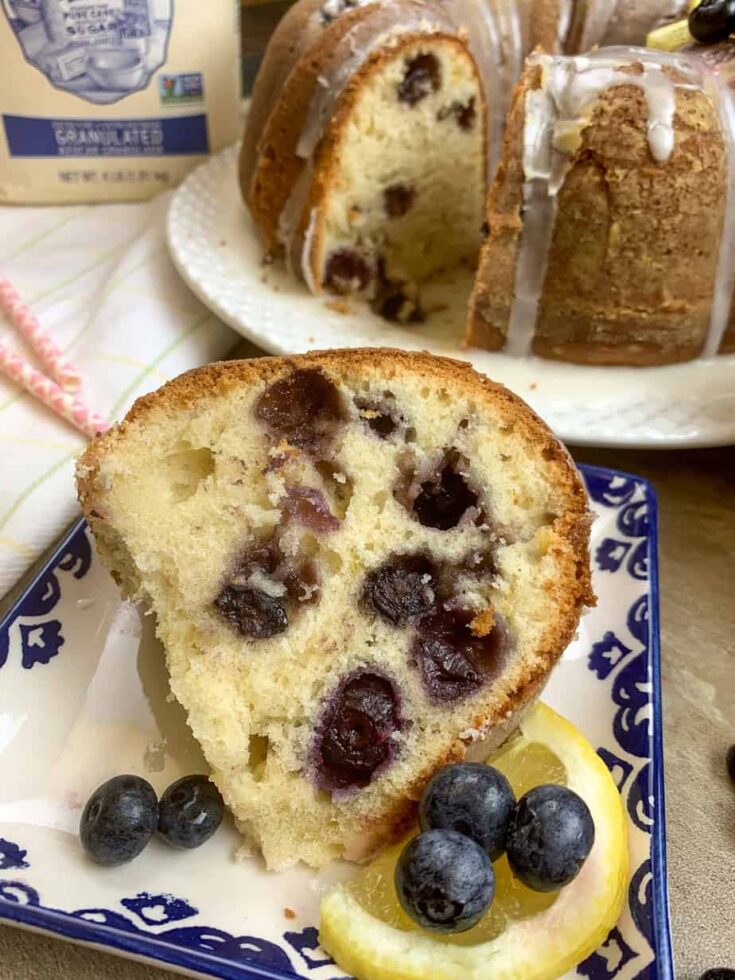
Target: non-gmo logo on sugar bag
[181, 89]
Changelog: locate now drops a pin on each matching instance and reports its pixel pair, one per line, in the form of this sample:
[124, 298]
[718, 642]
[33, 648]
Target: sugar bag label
[98, 80]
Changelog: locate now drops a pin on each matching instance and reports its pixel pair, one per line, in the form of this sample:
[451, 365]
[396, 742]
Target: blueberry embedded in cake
[361, 563]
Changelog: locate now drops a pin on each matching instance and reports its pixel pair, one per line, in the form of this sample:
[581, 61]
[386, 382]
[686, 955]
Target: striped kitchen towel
[100, 280]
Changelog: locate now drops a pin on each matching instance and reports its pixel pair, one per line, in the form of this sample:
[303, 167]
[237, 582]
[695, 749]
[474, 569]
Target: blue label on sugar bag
[33, 137]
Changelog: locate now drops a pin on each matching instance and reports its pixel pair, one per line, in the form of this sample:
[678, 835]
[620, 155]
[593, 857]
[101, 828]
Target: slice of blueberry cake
[363, 564]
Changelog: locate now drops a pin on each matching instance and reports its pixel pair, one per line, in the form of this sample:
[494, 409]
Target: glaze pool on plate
[84, 695]
[214, 245]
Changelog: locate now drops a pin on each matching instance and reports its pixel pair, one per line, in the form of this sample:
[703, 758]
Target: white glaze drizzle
[306, 252]
[566, 12]
[722, 97]
[363, 41]
[555, 115]
[495, 39]
[508, 17]
[598, 14]
[538, 227]
[290, 217]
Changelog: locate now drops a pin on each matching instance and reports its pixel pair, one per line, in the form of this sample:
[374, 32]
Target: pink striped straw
[65, 405]
[23, 318]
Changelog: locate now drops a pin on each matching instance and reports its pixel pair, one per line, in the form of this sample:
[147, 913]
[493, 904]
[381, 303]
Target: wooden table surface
[696, 493]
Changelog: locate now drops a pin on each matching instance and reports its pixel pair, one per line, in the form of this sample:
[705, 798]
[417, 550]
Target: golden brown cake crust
[543, 21]
[572, 586]
[296, 31]
[634, 252]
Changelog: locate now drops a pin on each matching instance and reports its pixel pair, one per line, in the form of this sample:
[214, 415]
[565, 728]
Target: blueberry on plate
[119, 819]
[472, 798]
[549, 838]
[190, 811]
[444, 881]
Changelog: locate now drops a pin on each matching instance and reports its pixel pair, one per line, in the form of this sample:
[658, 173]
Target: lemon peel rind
[540, 947]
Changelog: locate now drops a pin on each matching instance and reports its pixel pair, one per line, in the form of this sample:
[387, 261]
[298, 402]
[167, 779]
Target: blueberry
[464, 114]
[305, 408]
[398, 199]
[119, 819]
[712, 21]
[423, 76]
[394, 305]
[452, 662]
[347, 272]
[730, 762]
[472, 798]
[379, 417]
[252, 612]
[722, 973]
[402, 588]
[445, 881]
[550, 835]
[445, 496]
[190, 811]
[356, 735]
[309, 507]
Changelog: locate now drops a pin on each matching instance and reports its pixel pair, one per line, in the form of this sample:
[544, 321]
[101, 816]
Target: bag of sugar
[113, 100]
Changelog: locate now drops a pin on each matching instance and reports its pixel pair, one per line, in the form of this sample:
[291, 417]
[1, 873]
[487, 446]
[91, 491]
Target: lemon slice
[525, 935]
[670, 37]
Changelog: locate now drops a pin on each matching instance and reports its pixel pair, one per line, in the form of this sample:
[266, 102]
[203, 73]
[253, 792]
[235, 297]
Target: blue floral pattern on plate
[622, 662]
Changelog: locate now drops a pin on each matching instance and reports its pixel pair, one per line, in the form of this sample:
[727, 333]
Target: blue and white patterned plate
[84, 695]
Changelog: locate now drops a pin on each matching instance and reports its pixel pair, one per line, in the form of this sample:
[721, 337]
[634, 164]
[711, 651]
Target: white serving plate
[214, 245]
[84, 695]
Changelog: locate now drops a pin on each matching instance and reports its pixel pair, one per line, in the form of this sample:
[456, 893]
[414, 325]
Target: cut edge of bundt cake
[363, 564]
[342, 165]
[399, 184]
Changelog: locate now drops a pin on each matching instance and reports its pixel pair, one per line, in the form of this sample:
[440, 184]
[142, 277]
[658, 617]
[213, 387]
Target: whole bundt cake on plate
[362, 564]
[375, 126]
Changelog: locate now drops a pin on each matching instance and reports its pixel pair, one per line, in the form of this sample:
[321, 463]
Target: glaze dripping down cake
[609, 238]
[362, 563]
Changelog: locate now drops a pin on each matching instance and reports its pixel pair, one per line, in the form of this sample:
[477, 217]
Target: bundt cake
[608, 241]
[361, 563]
[373, 126]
